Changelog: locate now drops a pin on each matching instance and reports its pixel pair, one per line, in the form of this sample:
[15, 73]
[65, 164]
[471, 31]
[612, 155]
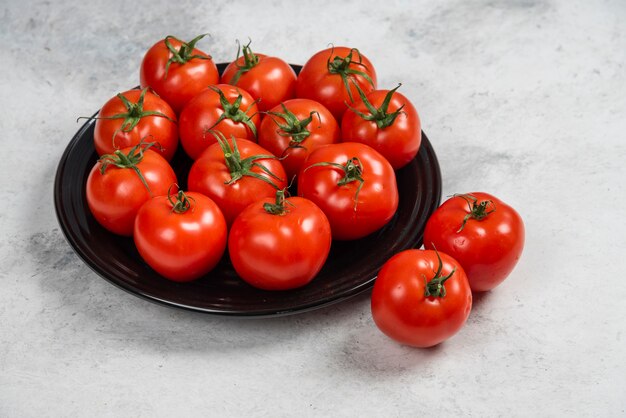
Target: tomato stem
[341, 66]
[352, 171]
[184, 52]
[477, 210]
[181, 203]
[380, 116]
[130, 160]
[249, 58]
[279, 208]
[133, 115]
[239, 167]
[294, 127]
[233, 111]
[435, 286]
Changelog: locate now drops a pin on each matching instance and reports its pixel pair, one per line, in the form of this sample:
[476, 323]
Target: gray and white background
[525, 99]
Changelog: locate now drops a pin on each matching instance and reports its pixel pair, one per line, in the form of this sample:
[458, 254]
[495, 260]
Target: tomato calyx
[239, 167]
[181, 203]
[352, 171]
[341, 66]
[280, 207]
[130, 160]
[250, 61]
[184, 52]
[435, 287]
[293, 127]
[380, 115]
[233, 111]
[133, 115]
[477, 210]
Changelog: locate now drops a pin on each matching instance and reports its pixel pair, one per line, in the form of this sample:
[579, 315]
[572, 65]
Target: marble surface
[525, 99]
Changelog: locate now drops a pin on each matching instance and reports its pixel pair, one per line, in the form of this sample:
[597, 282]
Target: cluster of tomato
[423, 297]
[251, 133]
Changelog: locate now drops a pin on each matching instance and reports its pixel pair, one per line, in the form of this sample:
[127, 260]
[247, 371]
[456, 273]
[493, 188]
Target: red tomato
[182, 238]
[222, 108]
[269, 79]
[129, 117]
[120, 183]
[281, 245]
[248, 173]
[353, 184]
[329, 76]
[386, 121]
[421, 298]
[177, 71]
[483, 233]
[294, 129]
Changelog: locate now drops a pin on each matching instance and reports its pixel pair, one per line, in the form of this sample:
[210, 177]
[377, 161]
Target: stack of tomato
[253, 132]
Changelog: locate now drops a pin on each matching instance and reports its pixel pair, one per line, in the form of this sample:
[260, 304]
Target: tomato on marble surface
[484, 234]
[182, 237]
[421, 298]
[177, 70]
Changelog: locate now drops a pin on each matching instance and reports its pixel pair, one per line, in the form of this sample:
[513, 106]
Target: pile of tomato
[259, 130]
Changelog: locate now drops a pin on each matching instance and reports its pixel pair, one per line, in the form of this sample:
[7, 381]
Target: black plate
[351, 267]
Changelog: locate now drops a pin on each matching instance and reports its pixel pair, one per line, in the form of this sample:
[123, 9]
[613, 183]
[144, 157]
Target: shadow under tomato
[479, 298]
[371, 352]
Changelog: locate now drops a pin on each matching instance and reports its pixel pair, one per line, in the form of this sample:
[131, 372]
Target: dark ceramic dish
[351, 267]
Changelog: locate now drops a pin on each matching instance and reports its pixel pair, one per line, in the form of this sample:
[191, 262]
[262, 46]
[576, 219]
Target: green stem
[130, 160]
[352, 171]
[477, 210]
[133, 115]
[181, 203]
[293, 127]
[435, 286]
[184, 53]
[239, 167]
[380, 115]
[279, 208]
[249, 58]
[341, 66]
[233, 111]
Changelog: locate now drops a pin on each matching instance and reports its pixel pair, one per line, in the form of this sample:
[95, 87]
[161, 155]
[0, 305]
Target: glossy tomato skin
[403, 312]
[377, 200]
[399, 142]
[271, 80]
[487, 249]
[279, 252]
[204, 110]
[323, 129]
[315, 82]
[209, 175]
[108, 135]
[183, 81]
[180, 246]
[115, 197]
